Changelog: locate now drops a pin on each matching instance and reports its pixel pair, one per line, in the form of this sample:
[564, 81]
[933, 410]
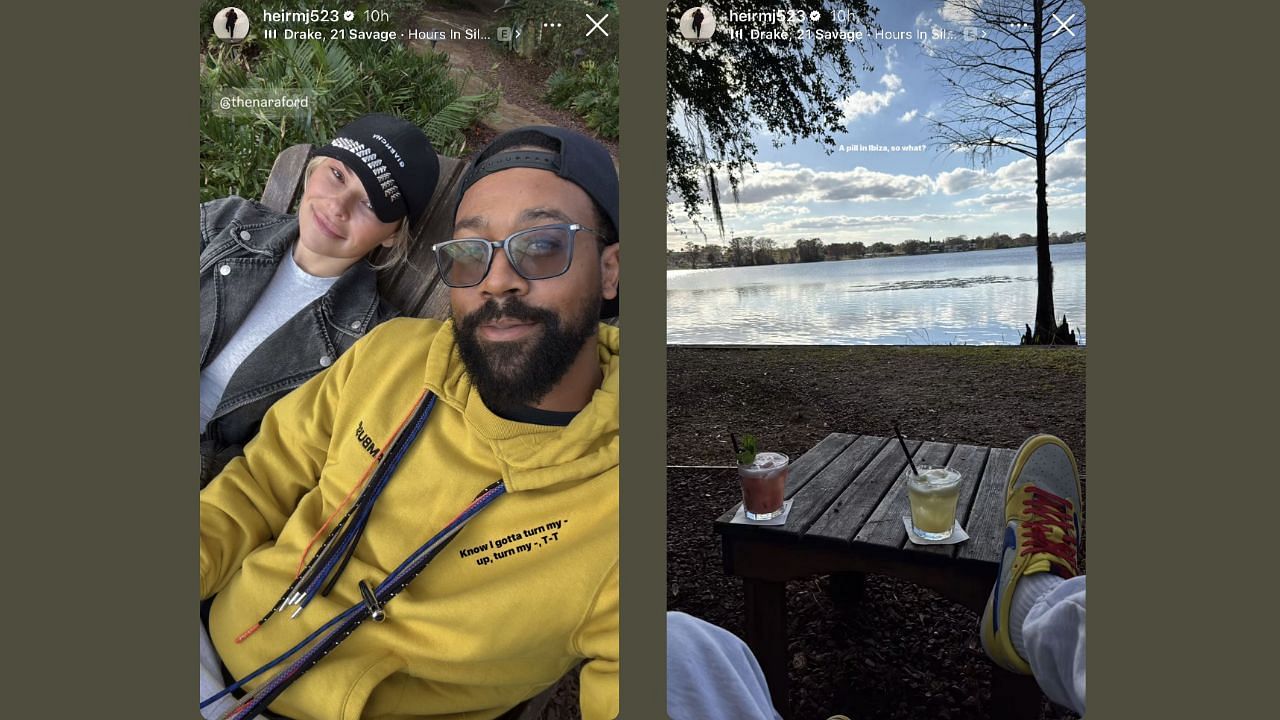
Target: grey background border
[102, 519]
[100, 383]
[644, 327]
[1174, 212]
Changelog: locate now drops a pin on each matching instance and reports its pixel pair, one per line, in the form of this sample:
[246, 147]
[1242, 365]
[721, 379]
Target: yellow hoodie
[528, 589]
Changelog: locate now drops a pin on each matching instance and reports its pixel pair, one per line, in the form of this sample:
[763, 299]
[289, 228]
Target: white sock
[1029, 591]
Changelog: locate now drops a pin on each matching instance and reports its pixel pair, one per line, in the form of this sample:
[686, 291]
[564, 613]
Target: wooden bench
[413, 287]
[848, 497]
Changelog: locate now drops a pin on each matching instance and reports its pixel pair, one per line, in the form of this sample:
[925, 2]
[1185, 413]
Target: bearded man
[432, 523]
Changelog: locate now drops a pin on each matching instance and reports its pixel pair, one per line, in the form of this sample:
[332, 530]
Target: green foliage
[720, 92]
[586, 78]
[843, 250]
[747, 450]
[810, 249]
[562, 86]
[208, 9]
[590, 90]
[566, 46]
[345, 79]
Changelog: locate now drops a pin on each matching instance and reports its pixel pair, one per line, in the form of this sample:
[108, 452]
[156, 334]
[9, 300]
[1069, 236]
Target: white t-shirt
[291, 289]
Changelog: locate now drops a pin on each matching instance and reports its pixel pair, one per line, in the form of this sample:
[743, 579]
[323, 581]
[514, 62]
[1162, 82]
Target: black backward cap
[571, 155]
[393, 159]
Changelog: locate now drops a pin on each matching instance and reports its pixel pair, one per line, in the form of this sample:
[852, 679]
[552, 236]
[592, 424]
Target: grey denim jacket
[241, 243]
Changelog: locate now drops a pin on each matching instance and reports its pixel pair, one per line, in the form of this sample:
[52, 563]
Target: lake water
[981, 297]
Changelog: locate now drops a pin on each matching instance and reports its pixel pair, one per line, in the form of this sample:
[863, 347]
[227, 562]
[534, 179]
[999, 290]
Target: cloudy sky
[870, 195]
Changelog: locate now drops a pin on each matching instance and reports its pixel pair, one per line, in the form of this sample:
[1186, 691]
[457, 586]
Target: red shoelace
[1049, 511]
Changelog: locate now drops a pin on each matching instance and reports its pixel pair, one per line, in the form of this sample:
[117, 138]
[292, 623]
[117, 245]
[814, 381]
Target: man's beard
[522, 372]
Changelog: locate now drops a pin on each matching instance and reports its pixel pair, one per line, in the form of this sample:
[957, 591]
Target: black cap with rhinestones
[393, 159]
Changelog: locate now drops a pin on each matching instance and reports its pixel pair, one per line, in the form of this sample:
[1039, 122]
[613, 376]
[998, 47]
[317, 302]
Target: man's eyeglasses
[537, 253]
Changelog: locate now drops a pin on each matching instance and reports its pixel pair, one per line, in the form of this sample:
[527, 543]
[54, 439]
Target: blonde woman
[282, 296]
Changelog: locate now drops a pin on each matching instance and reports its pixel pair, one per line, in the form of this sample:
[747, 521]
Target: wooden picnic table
[848, 497]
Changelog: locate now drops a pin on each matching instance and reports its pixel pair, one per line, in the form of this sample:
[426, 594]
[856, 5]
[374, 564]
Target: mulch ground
[901, 651]
[523, 82]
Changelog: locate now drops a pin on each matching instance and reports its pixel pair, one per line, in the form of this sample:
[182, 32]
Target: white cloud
[863, 185]
[961, 179]
[1001, 202]
[865, 103]
[890, 58]
[908, 116]
[1066, 167]
[1017, 174]
[786, 188]
[958, 12]
[1013, 183]
[1065, 200]
[947, 18]
[869, 103]
[924, 23]
[1023, 200]
[788, 185]
[850, 222]
[772, 183]
[788, 200]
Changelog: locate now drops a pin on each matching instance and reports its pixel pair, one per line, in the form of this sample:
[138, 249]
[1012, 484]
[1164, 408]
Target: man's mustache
[512, 309]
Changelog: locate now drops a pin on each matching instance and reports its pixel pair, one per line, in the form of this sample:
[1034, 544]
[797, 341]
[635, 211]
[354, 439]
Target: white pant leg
[712, 674]
[211, 680]
[1053, 633]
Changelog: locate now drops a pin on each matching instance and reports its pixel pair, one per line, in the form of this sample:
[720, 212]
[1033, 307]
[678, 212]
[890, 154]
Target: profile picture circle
[231, 24]
[697, 23]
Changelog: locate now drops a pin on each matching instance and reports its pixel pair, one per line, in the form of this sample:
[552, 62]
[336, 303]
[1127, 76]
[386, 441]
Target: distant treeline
[751, 250]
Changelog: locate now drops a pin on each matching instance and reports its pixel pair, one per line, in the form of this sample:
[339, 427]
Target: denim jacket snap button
[244, 234]
[355, 325]
[325, 361]
[224, 270]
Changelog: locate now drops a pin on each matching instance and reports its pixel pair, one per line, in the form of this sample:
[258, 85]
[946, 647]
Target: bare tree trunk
[988, 109]
[1046, 327]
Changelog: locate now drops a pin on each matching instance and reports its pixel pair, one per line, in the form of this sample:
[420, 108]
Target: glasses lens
[541, 252]
[463, 262]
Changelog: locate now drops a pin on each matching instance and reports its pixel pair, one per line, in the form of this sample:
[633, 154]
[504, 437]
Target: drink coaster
[740, 517]
[958, 535]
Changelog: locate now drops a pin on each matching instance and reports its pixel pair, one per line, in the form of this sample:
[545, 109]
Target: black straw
[905, 451]
[734, 439]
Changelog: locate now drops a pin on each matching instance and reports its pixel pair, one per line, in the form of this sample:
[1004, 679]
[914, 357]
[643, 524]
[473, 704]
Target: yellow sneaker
[1042, 527]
